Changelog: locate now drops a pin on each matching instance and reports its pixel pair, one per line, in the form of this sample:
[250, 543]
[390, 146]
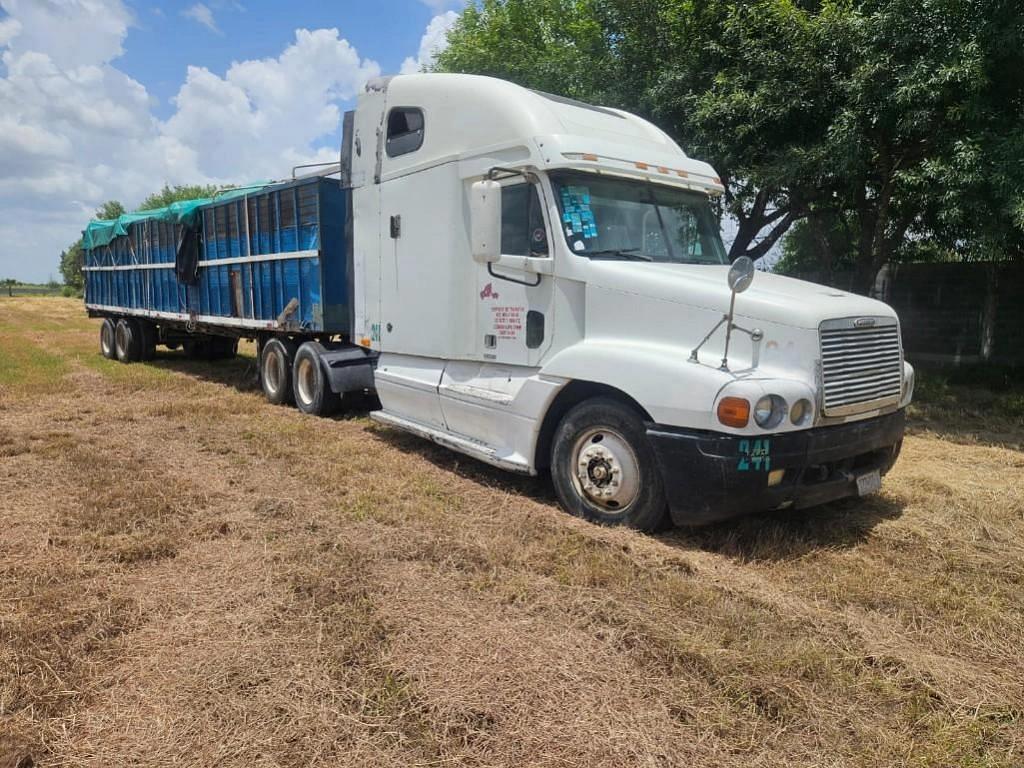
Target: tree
[9, 283]
[721, 79]
[169, 195]
[72, 259]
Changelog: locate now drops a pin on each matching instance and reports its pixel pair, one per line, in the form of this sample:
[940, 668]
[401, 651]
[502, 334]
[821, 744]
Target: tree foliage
[175, 194]
[877, 125]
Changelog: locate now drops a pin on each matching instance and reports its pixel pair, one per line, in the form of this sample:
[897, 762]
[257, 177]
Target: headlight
[769, 411]
[801, 412]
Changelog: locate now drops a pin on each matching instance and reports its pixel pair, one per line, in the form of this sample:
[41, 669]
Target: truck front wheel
[604, 469]
[276, 360]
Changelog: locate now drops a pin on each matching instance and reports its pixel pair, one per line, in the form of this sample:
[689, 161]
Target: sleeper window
[522, 222]
[405, 131]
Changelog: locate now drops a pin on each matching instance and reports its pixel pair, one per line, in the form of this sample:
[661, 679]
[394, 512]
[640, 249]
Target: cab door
[514, 301]
[514, 305]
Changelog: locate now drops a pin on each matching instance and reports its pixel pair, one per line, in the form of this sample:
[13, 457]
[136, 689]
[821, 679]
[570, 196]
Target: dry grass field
[190, 576]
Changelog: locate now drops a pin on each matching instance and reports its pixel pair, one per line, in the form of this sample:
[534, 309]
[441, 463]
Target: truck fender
[659, 377]
[349, 369]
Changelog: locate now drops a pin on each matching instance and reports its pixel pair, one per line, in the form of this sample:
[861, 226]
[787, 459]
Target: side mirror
[485, 221]
[741, 275]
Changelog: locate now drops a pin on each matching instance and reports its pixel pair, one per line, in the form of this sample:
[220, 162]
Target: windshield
[605, 217]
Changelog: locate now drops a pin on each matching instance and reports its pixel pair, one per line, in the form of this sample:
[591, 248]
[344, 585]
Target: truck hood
[771, 298]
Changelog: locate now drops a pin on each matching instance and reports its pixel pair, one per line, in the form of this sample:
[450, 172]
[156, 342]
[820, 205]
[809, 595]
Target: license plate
[869, 483]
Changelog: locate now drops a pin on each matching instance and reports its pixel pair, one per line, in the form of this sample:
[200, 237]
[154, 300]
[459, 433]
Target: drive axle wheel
[313, 393]
[604, 469]
[276, 370]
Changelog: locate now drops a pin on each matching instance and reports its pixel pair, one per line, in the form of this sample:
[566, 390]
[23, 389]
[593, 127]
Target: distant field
[22, 289]
[190, 576]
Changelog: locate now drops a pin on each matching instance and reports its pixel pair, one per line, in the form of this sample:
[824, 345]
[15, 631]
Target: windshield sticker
[576, 212]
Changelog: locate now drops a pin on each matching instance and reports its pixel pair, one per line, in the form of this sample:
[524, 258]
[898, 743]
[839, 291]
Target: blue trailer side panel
[258, 252]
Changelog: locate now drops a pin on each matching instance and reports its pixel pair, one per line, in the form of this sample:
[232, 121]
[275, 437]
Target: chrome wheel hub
[606, 471]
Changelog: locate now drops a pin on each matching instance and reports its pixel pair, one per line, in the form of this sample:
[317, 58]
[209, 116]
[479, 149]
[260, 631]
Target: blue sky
[110, 99]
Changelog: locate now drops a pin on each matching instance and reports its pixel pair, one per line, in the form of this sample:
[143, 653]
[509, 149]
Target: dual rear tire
[131, 340]
[291, 373]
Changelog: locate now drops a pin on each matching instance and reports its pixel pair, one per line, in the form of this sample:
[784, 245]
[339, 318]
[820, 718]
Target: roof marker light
[642, 166]
[591, 158]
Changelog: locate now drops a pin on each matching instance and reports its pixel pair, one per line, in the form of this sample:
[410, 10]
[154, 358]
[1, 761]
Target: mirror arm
[728, 331]
[693, 355]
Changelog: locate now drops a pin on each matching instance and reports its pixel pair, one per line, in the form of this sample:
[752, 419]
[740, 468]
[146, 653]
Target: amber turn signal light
[734, 411]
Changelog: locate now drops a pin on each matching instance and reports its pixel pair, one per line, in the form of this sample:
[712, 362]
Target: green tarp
[102, 232]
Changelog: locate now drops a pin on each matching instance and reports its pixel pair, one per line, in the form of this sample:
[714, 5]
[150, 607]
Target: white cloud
[261, 111]
[70, 32]
[9, 29]
[76, 131]
[203, 15]
[434, 40]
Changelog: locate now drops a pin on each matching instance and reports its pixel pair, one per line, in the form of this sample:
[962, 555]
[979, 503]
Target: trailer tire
[312, 388]
[222, 348]
[107, 344]
[276, 360]
[604, 469]
[195, 349]
[147, 332]
[128, 340]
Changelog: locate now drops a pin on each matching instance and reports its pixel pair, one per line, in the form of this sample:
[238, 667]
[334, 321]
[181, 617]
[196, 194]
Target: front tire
[312, 388]
[604, 469]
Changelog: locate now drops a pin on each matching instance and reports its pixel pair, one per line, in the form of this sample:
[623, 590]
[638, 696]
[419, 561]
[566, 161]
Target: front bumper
[709, 476]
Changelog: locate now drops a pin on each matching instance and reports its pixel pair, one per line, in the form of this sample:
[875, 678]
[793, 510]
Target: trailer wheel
[147, 333]
[276, 370]
[222, 348]
[128, 340]
[107, 344]
[603, 467]
[313, 393]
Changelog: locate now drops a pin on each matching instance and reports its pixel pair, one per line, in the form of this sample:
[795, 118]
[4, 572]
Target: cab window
[522, 222]
[405, 131]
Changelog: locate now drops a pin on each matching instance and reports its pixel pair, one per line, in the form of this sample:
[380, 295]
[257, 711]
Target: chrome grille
[861, 364]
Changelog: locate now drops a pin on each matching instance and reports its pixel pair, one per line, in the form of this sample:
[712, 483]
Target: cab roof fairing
[465, 115]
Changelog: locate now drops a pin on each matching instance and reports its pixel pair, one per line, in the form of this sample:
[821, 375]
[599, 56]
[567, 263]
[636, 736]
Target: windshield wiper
[622, 253]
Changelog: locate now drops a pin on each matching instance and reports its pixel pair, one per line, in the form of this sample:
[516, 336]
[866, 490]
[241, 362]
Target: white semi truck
[540, 284]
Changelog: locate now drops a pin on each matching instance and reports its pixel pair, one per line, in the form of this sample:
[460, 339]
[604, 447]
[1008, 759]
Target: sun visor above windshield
[588, 154]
